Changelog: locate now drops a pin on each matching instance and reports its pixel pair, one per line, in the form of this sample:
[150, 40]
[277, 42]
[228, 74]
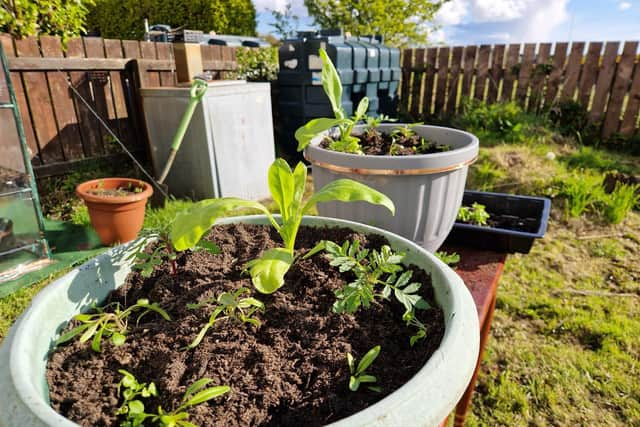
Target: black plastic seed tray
[525, 210]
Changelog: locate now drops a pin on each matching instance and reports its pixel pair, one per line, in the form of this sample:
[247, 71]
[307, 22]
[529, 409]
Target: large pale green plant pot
[427, 189]
[425, 400]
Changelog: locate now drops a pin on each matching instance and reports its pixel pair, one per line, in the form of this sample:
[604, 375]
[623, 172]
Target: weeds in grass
[621, 200]
[581, 192]
[488, 174]
[505, 120]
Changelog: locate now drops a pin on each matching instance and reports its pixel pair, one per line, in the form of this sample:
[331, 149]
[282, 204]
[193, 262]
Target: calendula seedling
[287, 190]
[134, 408]
[375, 122]
[372, 270]
[104, 324]
[130, 389]
[232, 306]
[333, 89]
[474, 214]
[359, 374]
[405, 131]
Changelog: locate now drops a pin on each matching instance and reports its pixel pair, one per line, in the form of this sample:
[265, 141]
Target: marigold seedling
[287, 189]
[105, 324]
[373, 269]
[474, 214]
[451, 259]
[359, 373]
[233, 307]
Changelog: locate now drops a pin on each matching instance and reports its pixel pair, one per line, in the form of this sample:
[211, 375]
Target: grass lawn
[564, 346]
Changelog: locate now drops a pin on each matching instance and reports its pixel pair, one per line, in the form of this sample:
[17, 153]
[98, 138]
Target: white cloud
[503, 37]
[453, 12]
[624, 5]
[545, 17]
[297, 6]
[500, 10]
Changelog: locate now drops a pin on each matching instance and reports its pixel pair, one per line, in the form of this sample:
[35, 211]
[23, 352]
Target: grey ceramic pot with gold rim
[427, 189]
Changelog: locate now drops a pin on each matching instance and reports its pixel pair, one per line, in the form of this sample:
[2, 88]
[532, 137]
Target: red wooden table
[480, 270]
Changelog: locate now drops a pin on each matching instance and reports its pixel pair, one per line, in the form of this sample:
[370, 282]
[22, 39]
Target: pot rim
[419, 164]
[446, 373]
[84, 194]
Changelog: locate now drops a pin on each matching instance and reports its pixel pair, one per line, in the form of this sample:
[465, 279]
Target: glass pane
[18, 221]
[12, 169]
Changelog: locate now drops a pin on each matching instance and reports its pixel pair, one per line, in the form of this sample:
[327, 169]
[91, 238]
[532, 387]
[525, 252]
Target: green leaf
[251, 302]
[305, 133]
[375, 388]
[135, 407]
[368, 359]
[118, 339]
[97, 339]
[412, 288]
[367, 379]
[420, 334]
[331, 84]
[351, 362]
[195, 387]
[346, 190]
[200, 336]
[354, 383]
[317, 248]
[89, 332]
[208, 246]
[361, 111]
[207, 394]
[72, 333]
[267, 272]
[188, 227]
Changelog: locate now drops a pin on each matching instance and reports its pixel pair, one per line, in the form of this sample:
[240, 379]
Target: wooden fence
[60, 130]
[601, 77]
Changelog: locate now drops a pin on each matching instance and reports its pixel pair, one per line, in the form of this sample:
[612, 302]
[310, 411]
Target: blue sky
[510, 21]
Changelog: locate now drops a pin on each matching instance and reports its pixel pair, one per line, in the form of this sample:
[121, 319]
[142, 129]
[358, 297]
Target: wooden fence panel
[469, 64]
[113, 49]
[526, 68]
[428, 94]
[555, 78]
[65, 113]
[416, 84]
[633, 105]
[620, 89]
[482, 71]
[574, 63]
[510, 72]
[443, 71]
[42, 114]
[589, 73]
[539, 76]
[454, 79]
[495, 75]
[605, 78]
[21, 100]
[165, 51]
[405, 84]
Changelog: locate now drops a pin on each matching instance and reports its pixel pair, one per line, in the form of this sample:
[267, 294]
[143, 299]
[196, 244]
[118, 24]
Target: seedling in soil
[375, 122]
[359, 374]
[145, 262]
[133, 408]
[287, 190]
[474, 214]
[104, 324]
[130, 389]
[233, 307]
[333, 88]
[373, 269]
[451, 259]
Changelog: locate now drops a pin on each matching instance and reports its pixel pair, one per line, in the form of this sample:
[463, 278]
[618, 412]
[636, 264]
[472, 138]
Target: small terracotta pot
[116, 219]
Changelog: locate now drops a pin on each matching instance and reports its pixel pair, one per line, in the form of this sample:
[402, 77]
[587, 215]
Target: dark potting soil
[116, 192]
[373, 142]
[291, 371]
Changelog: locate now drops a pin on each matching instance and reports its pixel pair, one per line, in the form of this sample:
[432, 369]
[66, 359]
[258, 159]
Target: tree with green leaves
[401, 22]
[65, 18]
[285, 23]
[124, 19]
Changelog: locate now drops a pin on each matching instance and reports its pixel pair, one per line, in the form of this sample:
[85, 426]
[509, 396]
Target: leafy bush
[505, 120]
[257, 64]
[65, 18]
[621, 200]
[581, 192]
[124, 19]
[571, 118]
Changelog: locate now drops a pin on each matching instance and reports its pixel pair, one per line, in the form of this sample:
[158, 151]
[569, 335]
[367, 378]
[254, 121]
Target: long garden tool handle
[197, 91]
